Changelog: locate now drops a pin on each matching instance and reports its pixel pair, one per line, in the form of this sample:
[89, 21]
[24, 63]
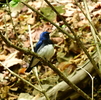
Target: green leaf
[98, 91]
[63, 26]
[14, 3]
[49, 13]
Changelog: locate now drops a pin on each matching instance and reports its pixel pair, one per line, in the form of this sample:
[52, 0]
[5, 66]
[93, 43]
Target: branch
[59, 28]
[35, 68]
[93, 33]
[20, 77]
[86, 16]
[9, 11]
[24, 50]
[77, 40]
[61, 75]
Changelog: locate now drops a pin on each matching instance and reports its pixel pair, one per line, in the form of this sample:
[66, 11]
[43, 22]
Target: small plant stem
[86, 16]
[92, 79]
[37, 76]
[9, 10]
[20, 77]
[61, 75]
[35, 68]
[93, 33]
[77, 40]
[59, 28]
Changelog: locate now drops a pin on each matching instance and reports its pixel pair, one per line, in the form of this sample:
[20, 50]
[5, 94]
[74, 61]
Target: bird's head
[44, 36]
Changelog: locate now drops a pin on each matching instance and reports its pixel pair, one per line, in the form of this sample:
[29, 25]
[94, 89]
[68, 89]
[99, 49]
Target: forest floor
[68, 54]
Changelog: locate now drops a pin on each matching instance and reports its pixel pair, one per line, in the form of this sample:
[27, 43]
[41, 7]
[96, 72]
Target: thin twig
[20, 77]
[86, 16]
[93, 33]
[92, 79]
[59, 28]
[9, 10]
[61, 75]
[43, 90]
[35, 68]
[77, 40]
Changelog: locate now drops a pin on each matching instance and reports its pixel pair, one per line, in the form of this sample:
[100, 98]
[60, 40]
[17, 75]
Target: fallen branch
[62, 91]
[61, 75]
[79, 42]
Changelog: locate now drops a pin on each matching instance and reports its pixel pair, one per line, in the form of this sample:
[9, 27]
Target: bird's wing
[34, 60]
[38, 45]
[45, 49]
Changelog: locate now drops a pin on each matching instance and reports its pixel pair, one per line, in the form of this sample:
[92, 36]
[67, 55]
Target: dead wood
[62, 91]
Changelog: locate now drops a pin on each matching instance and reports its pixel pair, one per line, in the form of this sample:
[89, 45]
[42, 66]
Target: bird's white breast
[47, 51]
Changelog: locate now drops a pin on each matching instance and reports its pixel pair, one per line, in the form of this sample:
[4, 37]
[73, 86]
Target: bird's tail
[34, 61]
[29, 69]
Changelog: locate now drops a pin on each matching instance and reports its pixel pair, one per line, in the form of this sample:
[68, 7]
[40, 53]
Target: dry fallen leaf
[6, 17]
[22, 70]
[74, 48]
[31, 21]
[3, 57]
[11, 60]
[25, 96]
[68, 66]
[63, 65]
[57, 40]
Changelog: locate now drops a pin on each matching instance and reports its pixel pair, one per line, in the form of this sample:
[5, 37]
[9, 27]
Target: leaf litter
[68, 54]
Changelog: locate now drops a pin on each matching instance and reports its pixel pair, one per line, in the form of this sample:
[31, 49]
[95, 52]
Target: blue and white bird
[44, 48]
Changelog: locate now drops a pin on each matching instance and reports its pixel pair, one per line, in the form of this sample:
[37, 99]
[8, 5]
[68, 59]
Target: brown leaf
[63, 65]
[68, 66]
[22, 70]
[3, 57]
[57, 40]
[26, 44]
[36, 34]
[70, 69]
[11, 60]
[21, 18]
[6, 17]
[24, 9]
[74, 47]
[31, 21]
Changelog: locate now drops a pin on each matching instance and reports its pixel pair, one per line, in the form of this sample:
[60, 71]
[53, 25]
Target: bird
[44, 48]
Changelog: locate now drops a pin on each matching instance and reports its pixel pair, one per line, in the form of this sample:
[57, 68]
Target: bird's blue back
[43, 41]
